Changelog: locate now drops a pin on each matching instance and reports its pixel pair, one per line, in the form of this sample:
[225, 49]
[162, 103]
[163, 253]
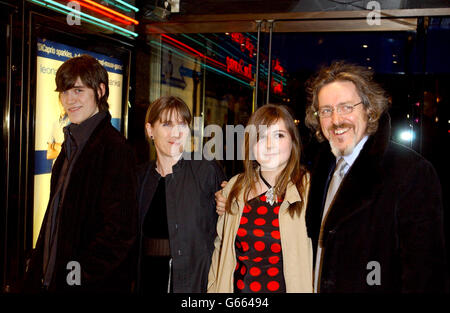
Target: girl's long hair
[264, 117]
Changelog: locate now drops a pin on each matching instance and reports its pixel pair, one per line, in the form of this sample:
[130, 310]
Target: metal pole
[269, 63]
[255, 102]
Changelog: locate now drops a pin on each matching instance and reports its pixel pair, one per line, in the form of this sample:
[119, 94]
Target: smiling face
[79, 101]
[169, 134]
[343, 132]
[273, 148]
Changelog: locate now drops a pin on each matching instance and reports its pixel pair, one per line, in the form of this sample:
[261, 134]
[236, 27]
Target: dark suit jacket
[98, 218]
[389, 210]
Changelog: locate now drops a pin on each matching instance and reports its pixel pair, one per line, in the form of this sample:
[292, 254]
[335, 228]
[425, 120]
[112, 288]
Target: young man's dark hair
[91, 73]
[91, 217]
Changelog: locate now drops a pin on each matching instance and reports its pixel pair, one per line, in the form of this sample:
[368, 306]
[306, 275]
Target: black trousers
[156, 274]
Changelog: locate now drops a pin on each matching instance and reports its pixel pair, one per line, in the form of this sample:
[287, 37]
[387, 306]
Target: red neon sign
[277, 87]
[245, 43]
[239, 67]
[276, 67]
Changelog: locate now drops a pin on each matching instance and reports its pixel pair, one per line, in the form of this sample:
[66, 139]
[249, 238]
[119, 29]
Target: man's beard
[343, 152]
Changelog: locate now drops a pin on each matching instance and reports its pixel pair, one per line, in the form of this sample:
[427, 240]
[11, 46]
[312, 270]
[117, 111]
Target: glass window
[215, 75]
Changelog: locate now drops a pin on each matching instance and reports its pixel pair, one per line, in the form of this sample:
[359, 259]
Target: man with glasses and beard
[375, 207]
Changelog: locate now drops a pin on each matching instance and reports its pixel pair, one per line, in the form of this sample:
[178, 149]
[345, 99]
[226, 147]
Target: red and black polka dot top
[259, 265]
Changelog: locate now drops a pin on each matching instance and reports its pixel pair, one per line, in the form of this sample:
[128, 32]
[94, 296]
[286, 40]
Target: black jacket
[98, 222]
[389, 210]
[191, 216]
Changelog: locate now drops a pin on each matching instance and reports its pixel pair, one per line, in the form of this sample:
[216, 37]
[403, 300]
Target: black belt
[156, 247]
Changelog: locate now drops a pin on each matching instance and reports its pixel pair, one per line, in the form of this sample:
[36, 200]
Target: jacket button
[176, 226]
[332, 232]
[179, 252]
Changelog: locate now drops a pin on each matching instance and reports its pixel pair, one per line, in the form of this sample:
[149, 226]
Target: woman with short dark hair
[177, 207]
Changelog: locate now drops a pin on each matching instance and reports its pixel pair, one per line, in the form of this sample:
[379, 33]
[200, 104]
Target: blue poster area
[177, 80]
[57, 51]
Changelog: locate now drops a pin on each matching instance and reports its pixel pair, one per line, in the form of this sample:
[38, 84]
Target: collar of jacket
[292, 195]
[182, 161]
[151, 170]
[81, 132]
[362, 181]
[380, 140]
[94, 139]
[90, 145]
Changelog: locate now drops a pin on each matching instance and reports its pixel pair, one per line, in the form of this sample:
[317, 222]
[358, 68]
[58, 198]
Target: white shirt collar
[350, 159]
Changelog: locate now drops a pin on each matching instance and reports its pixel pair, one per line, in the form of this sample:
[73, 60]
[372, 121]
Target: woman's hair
[373, 97]
[265, 116]
[162, 108]
[91, 73]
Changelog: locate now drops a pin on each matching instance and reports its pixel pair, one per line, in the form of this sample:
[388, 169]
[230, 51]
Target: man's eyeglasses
[341, 109]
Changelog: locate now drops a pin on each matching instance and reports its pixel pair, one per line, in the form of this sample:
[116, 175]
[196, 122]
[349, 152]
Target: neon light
[263, 71]
[82, 18]
[38, 2]
[193, 50]
[276, 66]
[183, 47]
[232, 46]
[128, 5]
[201, 63]
[101, 12]
[199, 43]
[252, 36]
[277, 87]
[245, 43]
[90, 17]
[50, 6]
[175, 45]
[239, 67]
[111, 11]
[97, 24]
[219, 46]
[117, 5]
[230, 54]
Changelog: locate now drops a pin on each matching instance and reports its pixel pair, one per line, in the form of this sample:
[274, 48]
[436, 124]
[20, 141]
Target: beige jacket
[295, 243]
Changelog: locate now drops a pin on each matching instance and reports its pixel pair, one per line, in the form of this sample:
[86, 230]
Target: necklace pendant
[270, 196]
